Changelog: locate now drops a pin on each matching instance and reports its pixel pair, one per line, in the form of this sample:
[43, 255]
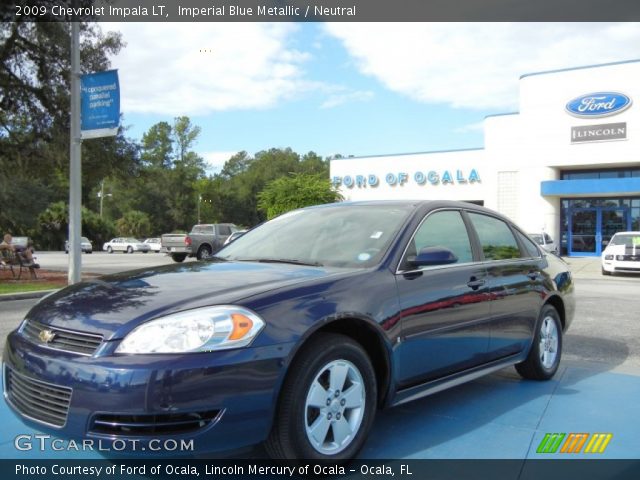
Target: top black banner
[320, 10]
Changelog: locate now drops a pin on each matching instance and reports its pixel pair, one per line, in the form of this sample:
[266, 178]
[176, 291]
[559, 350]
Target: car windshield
[131, 240]
[537, 238]
[336, 235]
[85, 240]
[626, 239]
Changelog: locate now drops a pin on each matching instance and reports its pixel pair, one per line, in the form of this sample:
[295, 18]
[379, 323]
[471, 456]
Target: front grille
[67, 340]
[37, 400]
[159, 424]
[629, 258]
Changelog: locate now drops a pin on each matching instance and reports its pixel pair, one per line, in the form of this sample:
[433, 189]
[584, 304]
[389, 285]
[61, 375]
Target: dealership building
[567, 163]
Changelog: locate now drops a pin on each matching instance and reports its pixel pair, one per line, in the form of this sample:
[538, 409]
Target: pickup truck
[201, 242]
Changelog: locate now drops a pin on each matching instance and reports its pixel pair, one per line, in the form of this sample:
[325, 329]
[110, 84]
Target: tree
[134, 224]
[296, 191]
[34, 119]
[53, 227]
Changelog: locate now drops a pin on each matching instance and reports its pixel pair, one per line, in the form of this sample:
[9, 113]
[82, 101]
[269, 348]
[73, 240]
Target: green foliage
[296, 191]
[134, 224]
[53, 227]
[34, 121]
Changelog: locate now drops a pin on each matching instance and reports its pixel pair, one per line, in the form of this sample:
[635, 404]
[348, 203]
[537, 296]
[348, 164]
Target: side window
[443, 229]
[224, 230]
[496, 239]
[529, 247]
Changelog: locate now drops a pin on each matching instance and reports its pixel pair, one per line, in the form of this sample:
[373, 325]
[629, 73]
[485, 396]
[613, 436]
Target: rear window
[224, 229]
[203, 229]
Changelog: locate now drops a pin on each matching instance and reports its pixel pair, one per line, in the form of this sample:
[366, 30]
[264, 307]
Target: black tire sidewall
[347, 350]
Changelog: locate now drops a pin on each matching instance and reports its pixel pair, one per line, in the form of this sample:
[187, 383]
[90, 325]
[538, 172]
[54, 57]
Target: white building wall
[521, 150]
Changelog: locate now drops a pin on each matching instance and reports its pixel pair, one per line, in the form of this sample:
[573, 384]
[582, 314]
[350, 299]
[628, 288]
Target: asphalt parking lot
[499, 416]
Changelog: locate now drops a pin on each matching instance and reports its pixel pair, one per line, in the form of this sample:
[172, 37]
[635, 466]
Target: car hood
[621, 250]
[114, 305]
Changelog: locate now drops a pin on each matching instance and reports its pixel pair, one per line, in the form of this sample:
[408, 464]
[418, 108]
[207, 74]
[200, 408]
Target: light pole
[101, 195]
[199, 200]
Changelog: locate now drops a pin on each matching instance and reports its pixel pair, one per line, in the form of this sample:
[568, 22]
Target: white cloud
[198, 68]
[477, 65]
[337, 99]
[216, 160]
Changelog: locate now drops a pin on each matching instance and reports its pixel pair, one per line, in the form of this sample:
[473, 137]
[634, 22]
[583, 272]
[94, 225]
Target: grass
[18, 287]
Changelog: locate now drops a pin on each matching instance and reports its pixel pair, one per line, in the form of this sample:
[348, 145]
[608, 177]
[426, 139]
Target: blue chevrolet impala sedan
[296, 333]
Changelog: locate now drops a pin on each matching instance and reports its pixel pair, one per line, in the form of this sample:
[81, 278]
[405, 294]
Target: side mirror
[429, 256]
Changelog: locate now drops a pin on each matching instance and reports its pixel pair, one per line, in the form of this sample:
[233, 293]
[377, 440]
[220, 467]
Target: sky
[344, 88]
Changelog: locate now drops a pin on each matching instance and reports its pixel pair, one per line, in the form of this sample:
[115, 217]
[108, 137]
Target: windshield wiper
[291, 261]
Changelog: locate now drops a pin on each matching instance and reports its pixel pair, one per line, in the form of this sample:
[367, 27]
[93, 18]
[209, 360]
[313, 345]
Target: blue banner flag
[100, 104]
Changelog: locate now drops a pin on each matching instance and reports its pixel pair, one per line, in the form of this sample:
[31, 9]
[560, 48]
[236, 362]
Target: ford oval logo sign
[598, 104]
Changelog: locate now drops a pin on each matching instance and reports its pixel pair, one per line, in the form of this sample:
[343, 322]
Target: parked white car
[155, 244]
[126, 245]
[545, 241]
[622, 254]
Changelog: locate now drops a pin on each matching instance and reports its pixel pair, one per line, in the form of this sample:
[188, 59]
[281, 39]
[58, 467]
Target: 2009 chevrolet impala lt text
[296, 333]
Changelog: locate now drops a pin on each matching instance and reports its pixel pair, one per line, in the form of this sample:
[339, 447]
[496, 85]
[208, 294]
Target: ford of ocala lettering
[296, 333]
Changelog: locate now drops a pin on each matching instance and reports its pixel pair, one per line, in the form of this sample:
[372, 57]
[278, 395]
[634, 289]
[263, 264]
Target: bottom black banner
[156, 469]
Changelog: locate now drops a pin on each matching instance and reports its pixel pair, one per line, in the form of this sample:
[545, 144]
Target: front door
[591, 229]
[445, 308]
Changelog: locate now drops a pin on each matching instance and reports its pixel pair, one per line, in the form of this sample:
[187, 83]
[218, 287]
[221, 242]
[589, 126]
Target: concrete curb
[25, 295]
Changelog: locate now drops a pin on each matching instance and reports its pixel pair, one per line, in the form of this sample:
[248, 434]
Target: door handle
[475, 283]
[533, 275]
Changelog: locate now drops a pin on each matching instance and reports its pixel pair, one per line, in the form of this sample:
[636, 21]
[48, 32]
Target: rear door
[222, 233]
[515, 282]
[444, 309]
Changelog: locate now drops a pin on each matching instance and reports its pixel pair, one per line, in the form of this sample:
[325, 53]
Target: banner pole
[75, 166]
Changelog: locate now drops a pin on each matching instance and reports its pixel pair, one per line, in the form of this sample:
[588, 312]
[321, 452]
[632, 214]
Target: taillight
[187, 240]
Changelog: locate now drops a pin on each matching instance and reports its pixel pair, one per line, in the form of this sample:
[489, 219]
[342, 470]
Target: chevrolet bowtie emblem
[46, 336]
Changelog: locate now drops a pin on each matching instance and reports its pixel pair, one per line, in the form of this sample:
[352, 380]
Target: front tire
[328, 402]
[109, 250]
[544, 357]
[605, 272]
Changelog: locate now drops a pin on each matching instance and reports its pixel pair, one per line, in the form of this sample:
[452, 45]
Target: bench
[10, 260]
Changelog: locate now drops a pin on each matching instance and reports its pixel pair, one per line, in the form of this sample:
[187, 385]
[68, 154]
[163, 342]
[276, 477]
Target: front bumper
[622, 266]
[236, 388]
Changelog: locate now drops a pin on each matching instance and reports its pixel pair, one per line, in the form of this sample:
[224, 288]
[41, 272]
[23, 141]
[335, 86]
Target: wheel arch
[367, 334]
[556, 302]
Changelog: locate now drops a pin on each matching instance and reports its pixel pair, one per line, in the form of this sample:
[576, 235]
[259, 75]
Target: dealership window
[614, 214]
[496, 238]
[598, 174]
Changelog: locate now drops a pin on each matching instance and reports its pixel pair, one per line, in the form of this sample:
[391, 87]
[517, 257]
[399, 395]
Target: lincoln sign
[598, 133]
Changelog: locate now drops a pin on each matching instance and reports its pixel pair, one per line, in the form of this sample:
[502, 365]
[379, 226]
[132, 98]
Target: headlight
[199, 330]
[608, 257]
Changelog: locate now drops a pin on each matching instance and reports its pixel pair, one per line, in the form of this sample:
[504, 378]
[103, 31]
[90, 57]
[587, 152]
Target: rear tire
[204, 252]
[129, 249]
[544, 357]
[178, 257]
[327, 404]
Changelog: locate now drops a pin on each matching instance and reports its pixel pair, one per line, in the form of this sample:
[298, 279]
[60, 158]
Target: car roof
[627, 233]
[417, 205]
